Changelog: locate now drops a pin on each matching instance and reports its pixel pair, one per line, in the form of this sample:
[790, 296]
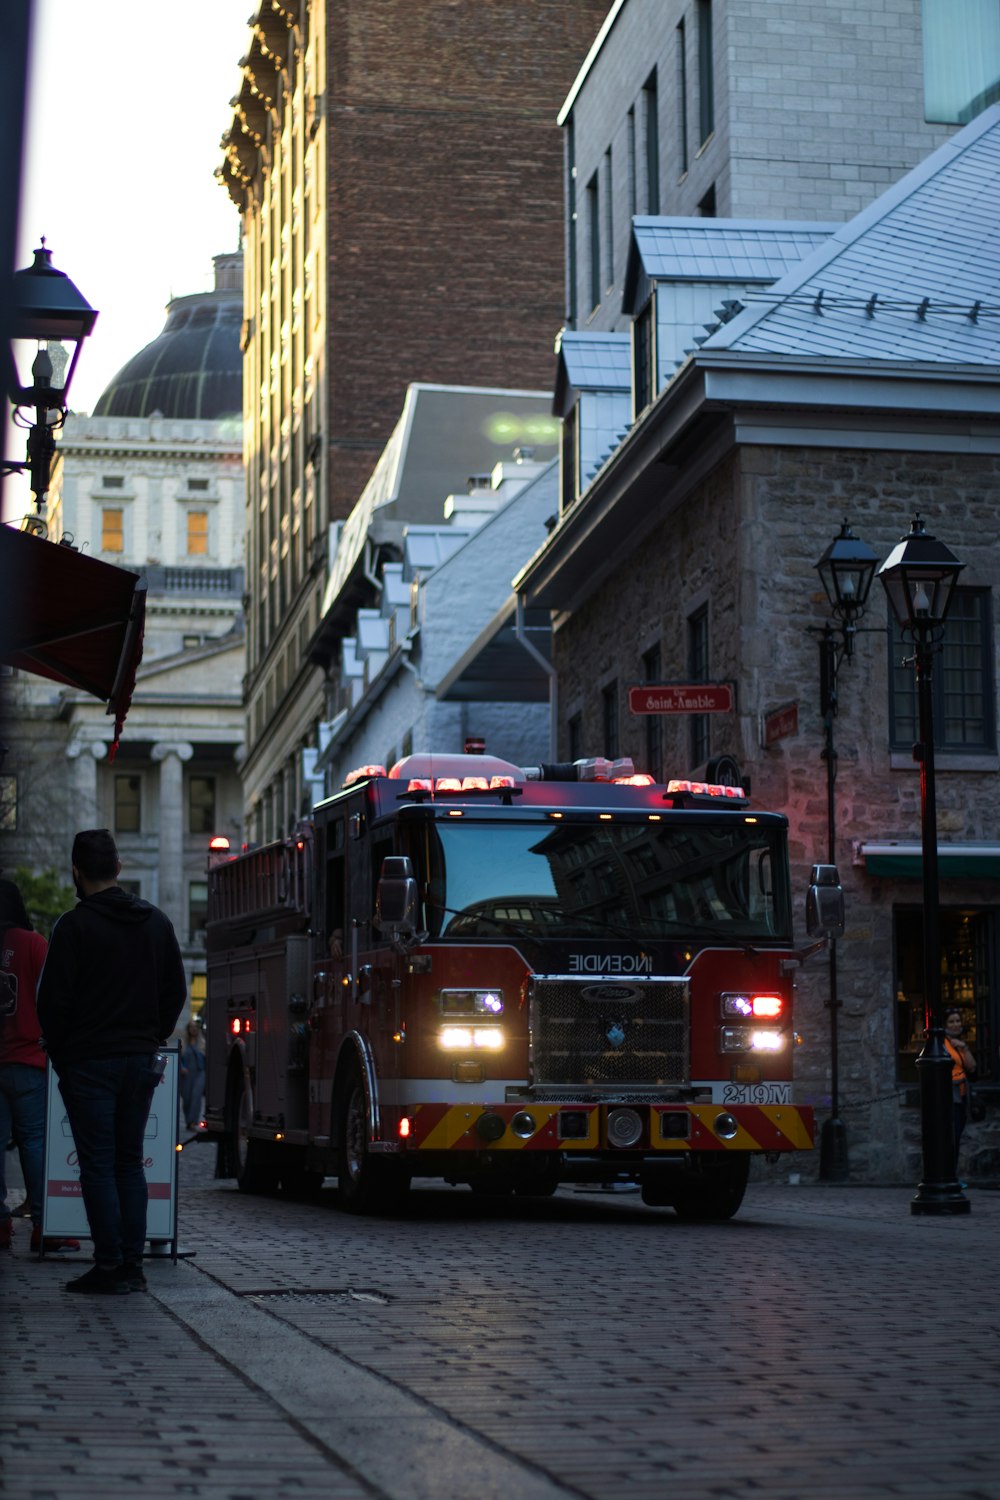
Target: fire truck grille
[609, 1033]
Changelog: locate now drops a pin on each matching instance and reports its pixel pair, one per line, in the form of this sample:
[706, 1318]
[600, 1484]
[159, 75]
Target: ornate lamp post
[846, 568]
[47, 310]
[919, 577]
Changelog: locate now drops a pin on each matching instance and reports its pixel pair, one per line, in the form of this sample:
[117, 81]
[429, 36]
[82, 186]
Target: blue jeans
[22, 1113]
[107, 1102]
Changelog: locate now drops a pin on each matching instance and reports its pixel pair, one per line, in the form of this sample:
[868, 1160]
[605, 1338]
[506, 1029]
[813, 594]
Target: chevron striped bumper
[596, 1127]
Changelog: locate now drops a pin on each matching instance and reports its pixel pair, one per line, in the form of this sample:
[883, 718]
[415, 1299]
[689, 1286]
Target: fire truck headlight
[744, 1039]
[462, 1038]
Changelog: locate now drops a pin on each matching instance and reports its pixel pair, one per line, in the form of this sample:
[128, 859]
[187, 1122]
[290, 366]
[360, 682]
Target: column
[171, 757]
[83, 756]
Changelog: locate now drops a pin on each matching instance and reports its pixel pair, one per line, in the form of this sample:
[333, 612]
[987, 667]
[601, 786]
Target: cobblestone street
[825, 1342]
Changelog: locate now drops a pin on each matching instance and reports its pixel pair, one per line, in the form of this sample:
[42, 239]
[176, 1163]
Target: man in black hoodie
[110, 993]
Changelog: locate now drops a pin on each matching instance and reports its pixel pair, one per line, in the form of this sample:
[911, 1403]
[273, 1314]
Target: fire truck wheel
[714, 1190]
[368, 1184]
[255, 1173]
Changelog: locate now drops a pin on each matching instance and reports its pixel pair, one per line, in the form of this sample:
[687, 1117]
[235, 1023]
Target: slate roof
[597, 361]
[927, 251]
[674, 249]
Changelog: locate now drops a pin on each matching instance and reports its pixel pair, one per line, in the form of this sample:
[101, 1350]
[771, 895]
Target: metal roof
[714, 250]
[681, 249]
[591, 362]
[597, 361]
[915, 276]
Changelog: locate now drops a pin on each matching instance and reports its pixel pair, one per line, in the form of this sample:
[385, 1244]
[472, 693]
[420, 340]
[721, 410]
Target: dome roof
[194, 368]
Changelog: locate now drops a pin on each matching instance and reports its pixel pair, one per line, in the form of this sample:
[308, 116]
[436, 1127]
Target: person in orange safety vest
[962, 1069]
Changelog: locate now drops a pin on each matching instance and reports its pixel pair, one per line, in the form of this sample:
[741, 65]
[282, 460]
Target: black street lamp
[846, 568]
[919, 577]
[47, 310]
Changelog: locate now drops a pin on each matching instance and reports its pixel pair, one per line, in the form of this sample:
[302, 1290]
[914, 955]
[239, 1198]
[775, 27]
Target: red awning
[72, 618]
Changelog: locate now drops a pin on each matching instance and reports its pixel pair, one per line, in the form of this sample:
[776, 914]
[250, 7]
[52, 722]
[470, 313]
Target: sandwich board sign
[63, 1213]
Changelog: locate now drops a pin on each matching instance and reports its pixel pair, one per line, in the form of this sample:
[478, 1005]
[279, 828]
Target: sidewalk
[516, 1351]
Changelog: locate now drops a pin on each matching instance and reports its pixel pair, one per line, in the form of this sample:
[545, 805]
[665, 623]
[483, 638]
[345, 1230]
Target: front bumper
[584, 1127]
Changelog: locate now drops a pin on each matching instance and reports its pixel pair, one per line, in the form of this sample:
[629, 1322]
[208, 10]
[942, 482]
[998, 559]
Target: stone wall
[746, 544]
[818, 109]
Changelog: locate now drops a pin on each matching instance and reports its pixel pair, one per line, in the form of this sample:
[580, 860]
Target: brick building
[397, 171]
[863, 383]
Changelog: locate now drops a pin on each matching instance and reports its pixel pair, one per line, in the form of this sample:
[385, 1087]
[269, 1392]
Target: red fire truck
[510, 978]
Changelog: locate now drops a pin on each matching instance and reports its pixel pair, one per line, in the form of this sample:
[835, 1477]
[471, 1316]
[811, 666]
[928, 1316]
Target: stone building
[397, 169]
[863, 383]
[770, 109]
[153, 481]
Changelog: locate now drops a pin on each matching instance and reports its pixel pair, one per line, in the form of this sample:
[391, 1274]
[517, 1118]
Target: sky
[125, 115]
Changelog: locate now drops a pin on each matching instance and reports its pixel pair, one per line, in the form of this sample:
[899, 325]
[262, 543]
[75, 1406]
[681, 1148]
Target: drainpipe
[546, 667]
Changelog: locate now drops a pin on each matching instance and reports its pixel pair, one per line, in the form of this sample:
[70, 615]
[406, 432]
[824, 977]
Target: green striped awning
[904, 861]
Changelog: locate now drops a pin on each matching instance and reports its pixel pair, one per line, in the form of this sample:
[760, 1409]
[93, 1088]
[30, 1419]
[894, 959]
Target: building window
[197, 909]
[569, 457]
[633, 187]
[652, 669]
[643, 359]
[697, 634]
[197, 533]
[128, 804]
[197, 485]
[961, 58]
[594, 236]
[8, 803]
[968, 966]
[609, 216]
[201, 804]
[571, 261]
[961, 681]
[706, 72]
[609, 720]
[706, 205]
[682, 95]
[112, 481]
[651, 123]
[112, 529]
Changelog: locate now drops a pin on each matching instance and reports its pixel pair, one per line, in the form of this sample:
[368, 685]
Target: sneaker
[52, 1245]
[100, 1281]
[133, 1277]
[6, 1233]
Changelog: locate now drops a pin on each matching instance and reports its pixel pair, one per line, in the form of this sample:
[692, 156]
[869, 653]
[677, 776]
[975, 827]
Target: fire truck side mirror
[396, 899]
[825, 903]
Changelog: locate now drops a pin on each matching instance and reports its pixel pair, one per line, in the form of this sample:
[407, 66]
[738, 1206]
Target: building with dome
[152, 481]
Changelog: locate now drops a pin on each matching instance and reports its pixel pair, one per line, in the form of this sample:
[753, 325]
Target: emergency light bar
[701, 793]
[363, 773]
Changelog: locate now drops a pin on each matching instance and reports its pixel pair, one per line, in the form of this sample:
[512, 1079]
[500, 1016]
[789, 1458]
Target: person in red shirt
[22, 1063]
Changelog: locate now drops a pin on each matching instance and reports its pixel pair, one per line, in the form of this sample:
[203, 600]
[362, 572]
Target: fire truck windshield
[724, 880]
